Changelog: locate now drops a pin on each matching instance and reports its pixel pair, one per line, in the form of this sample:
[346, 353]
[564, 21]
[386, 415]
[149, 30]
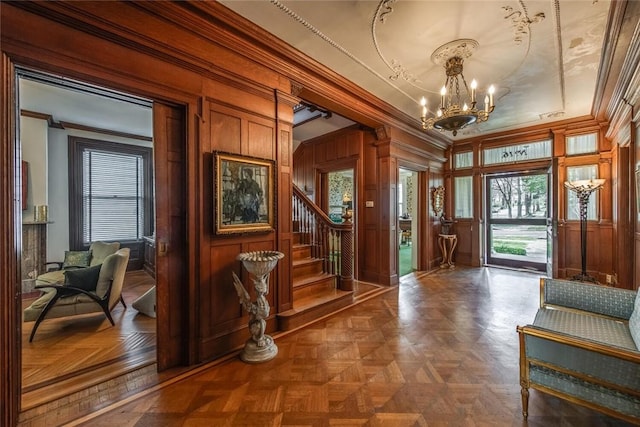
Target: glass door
[407, 221]
[516, 228]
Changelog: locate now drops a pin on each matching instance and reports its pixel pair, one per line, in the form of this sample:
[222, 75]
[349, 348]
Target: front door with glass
[516, 227]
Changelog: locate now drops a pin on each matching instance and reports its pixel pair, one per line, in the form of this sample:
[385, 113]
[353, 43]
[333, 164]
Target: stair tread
[311, 278]
[317, 299]
[304, 261]
[302, 245]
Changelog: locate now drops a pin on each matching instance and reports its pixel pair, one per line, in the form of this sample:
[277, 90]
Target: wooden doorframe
[322, 197]
[179, 352]
[10, 250]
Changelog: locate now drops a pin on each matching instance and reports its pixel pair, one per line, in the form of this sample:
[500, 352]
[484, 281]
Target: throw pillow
[83, 278]
[634, 322]
[76, 259]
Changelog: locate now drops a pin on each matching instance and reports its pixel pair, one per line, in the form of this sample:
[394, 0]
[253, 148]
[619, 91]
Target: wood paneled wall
[606, 241]
[377, 157]
[232, 84]
[227, 86]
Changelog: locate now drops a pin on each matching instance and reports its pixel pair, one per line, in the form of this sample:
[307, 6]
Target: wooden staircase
[315, 293]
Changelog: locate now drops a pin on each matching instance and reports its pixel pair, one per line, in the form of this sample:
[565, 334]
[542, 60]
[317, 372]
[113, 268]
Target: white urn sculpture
[260, 347]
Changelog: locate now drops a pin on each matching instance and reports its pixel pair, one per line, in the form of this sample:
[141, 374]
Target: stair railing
[331, 242]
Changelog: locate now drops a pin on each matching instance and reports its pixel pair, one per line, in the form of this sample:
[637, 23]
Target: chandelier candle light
[457, 110]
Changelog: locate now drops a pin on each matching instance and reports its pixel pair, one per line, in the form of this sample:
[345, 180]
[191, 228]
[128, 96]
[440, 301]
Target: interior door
[171, 272]
[552, 221]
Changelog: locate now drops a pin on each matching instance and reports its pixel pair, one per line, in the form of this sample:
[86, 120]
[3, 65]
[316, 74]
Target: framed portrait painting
[244, 194]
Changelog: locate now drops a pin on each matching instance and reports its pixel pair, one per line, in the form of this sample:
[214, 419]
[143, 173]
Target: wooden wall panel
[233, 129]
[262, 143]
[224, 132]
[603, 251]
[285, 147]
[376, 226]
[464, 250]
[222, 303]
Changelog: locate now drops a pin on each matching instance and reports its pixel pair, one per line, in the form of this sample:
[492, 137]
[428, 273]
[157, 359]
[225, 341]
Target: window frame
[77, 146]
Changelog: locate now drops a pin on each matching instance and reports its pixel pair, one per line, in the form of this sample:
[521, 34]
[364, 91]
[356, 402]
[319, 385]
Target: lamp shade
[581, 185]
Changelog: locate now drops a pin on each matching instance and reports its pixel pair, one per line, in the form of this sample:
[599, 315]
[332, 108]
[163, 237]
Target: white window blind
[463, 196]
[112, 196]
[582, 144]
[463, 160]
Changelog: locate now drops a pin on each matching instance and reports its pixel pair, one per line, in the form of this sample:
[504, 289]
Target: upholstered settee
[583, 347]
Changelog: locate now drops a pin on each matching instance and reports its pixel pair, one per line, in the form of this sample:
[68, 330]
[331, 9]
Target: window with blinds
[110, 190]
[112, 196]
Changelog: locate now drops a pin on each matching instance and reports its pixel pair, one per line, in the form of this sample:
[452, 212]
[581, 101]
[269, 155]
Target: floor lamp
[583, 189]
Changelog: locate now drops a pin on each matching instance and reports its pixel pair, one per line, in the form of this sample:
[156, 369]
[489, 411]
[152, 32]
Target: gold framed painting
[244, 194]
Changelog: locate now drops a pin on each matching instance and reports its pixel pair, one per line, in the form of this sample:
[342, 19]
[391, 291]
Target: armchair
[96, 255]
[71, 298]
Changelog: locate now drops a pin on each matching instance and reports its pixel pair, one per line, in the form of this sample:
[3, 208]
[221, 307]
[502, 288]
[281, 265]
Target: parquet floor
[439, 350]
[65, 348]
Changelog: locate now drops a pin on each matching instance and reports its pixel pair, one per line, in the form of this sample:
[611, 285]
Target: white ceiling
[70, 101]
[542, 56]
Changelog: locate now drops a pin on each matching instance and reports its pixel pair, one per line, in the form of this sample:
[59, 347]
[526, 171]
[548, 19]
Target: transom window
[582, 144]
[463, 160]
[517, 153]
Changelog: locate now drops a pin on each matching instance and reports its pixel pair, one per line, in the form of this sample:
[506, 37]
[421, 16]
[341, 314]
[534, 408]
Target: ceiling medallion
[457, 110]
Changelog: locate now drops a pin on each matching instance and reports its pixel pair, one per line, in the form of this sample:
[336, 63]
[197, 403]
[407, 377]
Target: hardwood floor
[72, 353]
[440, 349]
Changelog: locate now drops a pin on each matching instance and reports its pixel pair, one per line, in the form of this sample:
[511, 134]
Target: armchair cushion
[76, 259]
[634, 322]
[101, 250]
[83, 278]
[98, 251]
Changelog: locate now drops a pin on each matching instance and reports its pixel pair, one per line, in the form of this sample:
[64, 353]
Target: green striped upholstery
[593, 328]
[585, 296]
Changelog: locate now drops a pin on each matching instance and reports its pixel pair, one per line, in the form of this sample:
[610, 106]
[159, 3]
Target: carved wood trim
[614, 47]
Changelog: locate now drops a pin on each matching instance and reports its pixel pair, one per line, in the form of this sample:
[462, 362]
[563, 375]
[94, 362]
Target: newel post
[346, 259]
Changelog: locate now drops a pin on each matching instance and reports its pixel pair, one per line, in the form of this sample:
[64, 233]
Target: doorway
[340, 194]
[517, 212]
[407, 221]
[109, 130]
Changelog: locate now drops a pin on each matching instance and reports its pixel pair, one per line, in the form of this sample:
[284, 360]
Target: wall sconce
[437, 200]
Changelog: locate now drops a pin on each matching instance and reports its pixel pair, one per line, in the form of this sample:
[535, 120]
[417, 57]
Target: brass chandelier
[457, 109]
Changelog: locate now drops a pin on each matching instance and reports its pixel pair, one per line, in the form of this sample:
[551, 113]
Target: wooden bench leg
[525, 401]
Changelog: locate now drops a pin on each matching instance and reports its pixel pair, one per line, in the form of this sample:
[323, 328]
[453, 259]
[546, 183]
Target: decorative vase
[260, 347]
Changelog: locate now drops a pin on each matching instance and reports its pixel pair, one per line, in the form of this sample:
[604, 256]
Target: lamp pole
[583, 189]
